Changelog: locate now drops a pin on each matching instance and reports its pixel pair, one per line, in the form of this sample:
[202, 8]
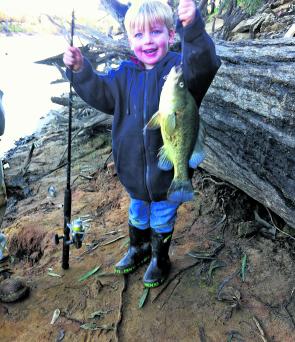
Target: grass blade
[244, 266]
[143, 298]
[89, 274]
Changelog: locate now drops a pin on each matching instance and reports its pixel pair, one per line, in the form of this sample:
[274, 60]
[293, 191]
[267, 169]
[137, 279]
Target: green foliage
[11, 27]
[250, 6]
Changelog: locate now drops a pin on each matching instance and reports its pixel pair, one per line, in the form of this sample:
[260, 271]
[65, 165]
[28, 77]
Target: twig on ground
[202, 334]
[24, 169]
[174, 277]
[221, 223]
[213, 181]
[272, 227]
[277, 228]
[106, 161]
[226, 280]
[287, 310]
[120, 314]
[262, 333]
[177, 283]
[82, 176]
[290, 316]
[277, 308]
[273, 307]
[267, 225]
[95, 246]
[114, 240]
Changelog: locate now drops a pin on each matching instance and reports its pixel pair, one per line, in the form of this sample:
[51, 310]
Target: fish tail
[180, 191]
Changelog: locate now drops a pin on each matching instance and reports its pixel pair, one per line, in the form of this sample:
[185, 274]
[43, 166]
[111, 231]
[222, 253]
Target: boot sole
[132, 268]
[154, 284]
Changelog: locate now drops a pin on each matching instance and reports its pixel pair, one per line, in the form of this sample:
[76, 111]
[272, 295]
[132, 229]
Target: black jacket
[131, 93]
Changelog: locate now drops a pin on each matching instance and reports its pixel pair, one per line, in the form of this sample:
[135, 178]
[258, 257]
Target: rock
[246, 229]
[247, 24]
[13, 289]
[291, 32]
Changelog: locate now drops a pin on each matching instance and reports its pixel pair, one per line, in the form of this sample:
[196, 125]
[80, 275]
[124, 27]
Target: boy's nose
[147, 38]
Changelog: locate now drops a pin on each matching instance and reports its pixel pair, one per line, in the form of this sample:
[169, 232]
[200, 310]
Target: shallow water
[26, 85]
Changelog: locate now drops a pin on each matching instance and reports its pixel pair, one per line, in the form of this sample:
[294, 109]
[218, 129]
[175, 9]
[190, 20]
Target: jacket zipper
[147, 172]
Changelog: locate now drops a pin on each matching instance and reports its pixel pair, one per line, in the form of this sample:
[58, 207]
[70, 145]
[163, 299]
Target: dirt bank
[209, 295]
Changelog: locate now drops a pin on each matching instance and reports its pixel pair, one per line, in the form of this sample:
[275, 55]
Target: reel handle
[57, 238]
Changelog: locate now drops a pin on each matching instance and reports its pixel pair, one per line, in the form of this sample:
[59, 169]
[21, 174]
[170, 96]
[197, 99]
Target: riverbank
[221, 282]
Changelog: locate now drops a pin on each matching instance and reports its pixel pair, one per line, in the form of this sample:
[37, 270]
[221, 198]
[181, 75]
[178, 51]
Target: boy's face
[151, 44]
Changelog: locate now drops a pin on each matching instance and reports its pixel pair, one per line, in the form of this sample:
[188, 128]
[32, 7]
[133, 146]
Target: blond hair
[146, 12]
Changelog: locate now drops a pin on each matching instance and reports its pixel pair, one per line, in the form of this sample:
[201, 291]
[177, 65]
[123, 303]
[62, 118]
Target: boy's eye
[138, 35]
[155, 32]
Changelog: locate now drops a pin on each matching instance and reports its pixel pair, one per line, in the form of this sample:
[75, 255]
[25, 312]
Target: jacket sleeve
[200, 62]
[95, 89]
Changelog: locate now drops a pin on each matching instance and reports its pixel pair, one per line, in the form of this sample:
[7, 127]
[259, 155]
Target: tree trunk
[249, 112]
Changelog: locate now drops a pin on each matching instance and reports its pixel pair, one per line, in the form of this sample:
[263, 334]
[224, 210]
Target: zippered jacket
[131, 93]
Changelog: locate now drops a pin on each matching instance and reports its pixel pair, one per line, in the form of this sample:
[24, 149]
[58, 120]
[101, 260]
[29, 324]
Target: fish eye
[181, 84]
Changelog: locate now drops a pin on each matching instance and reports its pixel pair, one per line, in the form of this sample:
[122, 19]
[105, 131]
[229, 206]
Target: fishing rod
[73, 232]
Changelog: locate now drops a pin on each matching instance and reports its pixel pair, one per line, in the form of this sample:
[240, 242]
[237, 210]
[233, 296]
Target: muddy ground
[231, 280]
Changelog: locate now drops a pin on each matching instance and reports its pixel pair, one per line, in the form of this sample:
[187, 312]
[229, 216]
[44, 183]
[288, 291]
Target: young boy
[131, 93]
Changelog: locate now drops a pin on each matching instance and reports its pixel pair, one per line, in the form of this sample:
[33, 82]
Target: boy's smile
[151, 43]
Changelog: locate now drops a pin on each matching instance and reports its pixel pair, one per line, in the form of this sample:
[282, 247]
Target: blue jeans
[160, 216]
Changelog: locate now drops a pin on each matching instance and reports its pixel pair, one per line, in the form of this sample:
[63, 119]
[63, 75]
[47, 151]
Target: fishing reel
[77, 233]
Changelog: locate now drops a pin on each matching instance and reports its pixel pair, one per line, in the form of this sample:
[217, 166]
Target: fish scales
[181, 132]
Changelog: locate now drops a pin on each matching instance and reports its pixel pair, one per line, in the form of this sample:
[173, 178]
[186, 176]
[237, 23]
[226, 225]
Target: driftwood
[77, 103]
[117, 10]
[249, 111]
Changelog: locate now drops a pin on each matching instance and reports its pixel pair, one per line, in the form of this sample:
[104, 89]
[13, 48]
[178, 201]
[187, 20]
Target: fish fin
[180, 191]
[164, 163]
[198, 154]
[170, 123]
[154, 121]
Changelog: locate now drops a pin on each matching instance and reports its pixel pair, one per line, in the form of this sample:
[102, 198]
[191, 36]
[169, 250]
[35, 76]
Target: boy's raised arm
[94, 89]
[186, 11]
[73, 58]
[200, 62]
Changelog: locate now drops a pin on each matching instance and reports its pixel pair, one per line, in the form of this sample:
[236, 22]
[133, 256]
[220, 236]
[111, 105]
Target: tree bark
[249, 113]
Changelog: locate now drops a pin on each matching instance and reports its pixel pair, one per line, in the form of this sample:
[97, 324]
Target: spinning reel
[76, 236]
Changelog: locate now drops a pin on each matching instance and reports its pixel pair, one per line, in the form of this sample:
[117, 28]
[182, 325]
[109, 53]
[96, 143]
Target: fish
[183, 134]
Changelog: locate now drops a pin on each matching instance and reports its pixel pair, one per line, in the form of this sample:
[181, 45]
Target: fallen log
[78, 103]
[249, 112]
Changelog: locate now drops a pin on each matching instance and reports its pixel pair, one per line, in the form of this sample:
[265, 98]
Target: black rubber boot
[159, 267]
[139, 250]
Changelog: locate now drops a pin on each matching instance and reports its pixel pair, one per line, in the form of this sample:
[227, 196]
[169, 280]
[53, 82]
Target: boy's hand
[186, 11]
[73, 58]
